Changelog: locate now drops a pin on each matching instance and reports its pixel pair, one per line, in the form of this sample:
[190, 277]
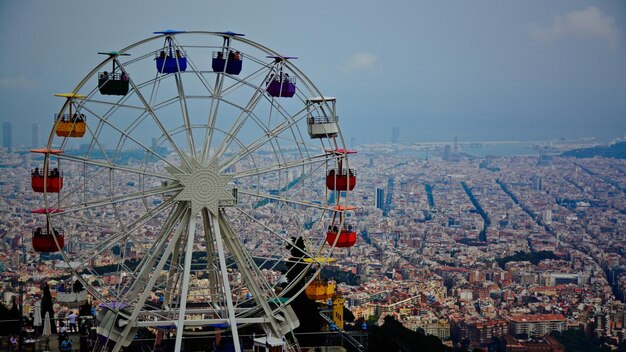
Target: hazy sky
[478, 70]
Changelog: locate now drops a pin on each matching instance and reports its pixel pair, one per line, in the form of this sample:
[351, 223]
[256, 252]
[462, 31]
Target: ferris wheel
[195, 183]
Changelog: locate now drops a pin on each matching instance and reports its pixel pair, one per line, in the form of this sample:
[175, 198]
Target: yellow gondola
[72, 124]
[320, 290]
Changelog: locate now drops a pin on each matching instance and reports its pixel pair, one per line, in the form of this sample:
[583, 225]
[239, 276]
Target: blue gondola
[171, 59]
[227, 59]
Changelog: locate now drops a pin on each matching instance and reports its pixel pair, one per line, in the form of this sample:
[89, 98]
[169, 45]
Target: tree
[85, 310]
[392, 336]
[295, 265]
[46, 307]
[14, 316]
[4, 324]
[78, 286]
[347, 315]
[10, 317]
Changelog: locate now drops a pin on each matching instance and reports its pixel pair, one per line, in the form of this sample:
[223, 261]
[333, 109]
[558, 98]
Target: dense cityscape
[468, 249]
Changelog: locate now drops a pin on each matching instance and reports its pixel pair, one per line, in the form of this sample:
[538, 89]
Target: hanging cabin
[344, 237]
[170, 59]
[282, 85]
[321, 118]
[47, 180]
[347, 238]
[320, 290]
[72, 124]
[341, 179]
[227, 59]
[47, 239]
[115, 82]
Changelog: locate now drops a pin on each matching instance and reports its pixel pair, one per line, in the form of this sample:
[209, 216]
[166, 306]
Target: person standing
[66, 345]
[72, 318]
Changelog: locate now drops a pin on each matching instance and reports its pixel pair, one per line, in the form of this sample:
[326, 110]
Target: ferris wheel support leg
[148, 287]
[139, 284]
[180, 326]
[173, 276]
[245, 266]
[227, 293]
[210, 250]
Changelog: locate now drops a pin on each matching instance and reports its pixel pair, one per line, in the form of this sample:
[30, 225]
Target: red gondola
[44, 240]
[47, 180]
[347, 238]
[51, 184]
[341, 180]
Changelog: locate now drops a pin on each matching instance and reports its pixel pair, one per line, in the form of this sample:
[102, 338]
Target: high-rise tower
[380, 198]
[7, 136]
[34, 143]
[395, 135]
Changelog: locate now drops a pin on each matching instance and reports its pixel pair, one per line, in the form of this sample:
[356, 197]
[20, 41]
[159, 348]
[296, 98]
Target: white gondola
[322, 117]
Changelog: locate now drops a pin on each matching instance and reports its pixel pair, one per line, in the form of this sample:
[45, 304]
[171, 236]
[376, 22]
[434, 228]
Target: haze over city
[480, 70]
[286, 176]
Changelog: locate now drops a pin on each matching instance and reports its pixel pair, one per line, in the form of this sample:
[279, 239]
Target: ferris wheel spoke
[258, 143]
[200, 76]
[272, 232]
[125, 134]
[292, 164]
[185, 114]
[127, 231]
[247, 80]
[113, 200]
[190, 221]
[213, 109]
[268, 196]
[113, 166]
[153, 114]
[211, 268]
[238, 124]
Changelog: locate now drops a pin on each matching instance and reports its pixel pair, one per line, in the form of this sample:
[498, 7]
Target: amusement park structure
[204, 158]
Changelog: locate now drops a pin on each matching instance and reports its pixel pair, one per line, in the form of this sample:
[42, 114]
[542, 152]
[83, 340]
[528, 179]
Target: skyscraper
[35, 136]
[7, 136]
[395, 134]
[380, 198]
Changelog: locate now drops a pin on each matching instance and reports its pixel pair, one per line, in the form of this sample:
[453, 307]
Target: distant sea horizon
[425, 150]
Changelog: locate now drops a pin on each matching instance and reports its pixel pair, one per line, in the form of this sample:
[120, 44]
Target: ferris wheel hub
[204, 187]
